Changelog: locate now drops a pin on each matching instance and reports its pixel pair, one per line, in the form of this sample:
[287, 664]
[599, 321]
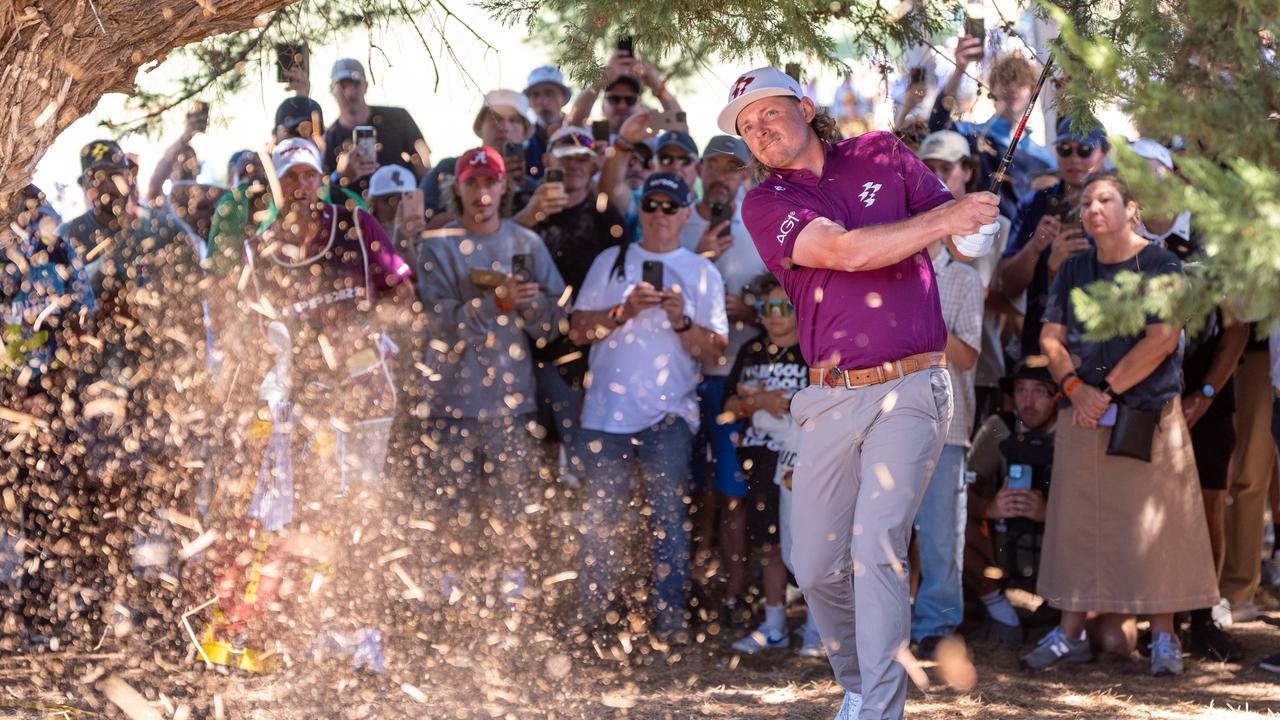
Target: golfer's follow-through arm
[823, 243]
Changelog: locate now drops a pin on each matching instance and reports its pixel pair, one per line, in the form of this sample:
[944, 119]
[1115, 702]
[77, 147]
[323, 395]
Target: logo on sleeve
[868, 194]
[787, 226]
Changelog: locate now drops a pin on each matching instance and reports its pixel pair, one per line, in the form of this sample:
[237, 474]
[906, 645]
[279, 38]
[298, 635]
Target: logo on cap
[741, 86]
[99, 151]
[479, 159]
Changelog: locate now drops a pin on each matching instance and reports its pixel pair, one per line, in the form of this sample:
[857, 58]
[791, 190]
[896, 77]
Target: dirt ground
[434, 675]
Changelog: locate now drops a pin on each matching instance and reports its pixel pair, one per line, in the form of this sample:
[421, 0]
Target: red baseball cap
[483, 160]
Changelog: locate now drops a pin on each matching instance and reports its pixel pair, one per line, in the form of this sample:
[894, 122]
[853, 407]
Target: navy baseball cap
[669, 184]
[1091, 133]
[679, 138]
[296, 110]
[103, 153]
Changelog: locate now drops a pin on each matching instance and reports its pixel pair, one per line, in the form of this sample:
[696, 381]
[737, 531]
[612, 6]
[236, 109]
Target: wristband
[621, 144]
[503, 305]
[1070, 384]
[1105, 387]
[687, 326]
[615, 314]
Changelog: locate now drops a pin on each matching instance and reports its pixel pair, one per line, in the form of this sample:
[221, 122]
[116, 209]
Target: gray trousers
[865, 458]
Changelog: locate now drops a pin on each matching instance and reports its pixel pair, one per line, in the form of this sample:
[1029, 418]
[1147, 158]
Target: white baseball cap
[947, 145]
[391, 180]
[508, 98]
[752, 86]
[293, 152]
[1151, 150]
[571, 140]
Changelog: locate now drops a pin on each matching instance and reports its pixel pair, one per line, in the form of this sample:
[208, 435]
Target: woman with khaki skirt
[1125, 532]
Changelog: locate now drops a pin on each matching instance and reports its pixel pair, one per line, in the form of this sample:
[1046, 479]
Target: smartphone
[721, 212]
[201, 110]
[793, 69]
[365, 138]
[1108, 418]
[513, 157]
[555, 175]
[975, 27]
[522, 267]
[289, 56]
[915, 76]
[663, 122]
[600, 132]
[626, 45]
[652, 273]
[1019, 477]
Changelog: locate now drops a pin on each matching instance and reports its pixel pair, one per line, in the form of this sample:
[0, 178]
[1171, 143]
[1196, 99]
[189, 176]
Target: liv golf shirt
[853, 319]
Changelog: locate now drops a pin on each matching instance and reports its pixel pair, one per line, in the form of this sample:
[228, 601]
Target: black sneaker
[1206, 640]
[1271, 664]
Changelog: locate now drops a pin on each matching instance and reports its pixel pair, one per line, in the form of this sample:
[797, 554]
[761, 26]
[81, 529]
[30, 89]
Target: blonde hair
[823, 125]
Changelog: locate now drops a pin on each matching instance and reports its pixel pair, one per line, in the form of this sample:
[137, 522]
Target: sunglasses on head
[1082, 150]
[650, 205]
[775, 308]
[622, 99]
[666, 160]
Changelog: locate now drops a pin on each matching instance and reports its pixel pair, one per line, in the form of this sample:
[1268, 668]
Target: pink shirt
[853, 319]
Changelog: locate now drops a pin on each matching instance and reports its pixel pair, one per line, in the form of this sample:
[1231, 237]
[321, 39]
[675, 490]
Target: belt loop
[902, 372]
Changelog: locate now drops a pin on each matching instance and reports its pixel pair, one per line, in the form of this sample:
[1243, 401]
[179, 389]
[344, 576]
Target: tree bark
[58, 57]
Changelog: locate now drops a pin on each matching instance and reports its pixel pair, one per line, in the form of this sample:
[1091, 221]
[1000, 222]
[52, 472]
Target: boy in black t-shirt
[768, 371]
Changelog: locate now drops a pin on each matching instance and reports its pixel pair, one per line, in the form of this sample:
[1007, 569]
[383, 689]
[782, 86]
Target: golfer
[844, 226]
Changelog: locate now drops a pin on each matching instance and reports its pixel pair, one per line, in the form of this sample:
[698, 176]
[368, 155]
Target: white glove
[977, 244]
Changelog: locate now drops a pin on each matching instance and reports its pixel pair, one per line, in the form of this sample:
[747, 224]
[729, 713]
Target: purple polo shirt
[853, 319]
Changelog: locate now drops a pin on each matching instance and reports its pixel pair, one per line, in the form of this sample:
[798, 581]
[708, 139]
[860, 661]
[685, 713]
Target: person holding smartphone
[575, 236]
[482, 322]
[626, 76]
[1006, 507]
[1046, 229]
[1114, 519]
[399, 141]
[1010, 81]
[652, 312]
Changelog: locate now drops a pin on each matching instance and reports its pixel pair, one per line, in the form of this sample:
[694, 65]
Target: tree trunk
[59, 57]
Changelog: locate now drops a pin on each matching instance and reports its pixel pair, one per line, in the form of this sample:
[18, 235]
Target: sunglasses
[666, 160]
[1082, 150]
[775, 308]
[650, 205]
[622, 99]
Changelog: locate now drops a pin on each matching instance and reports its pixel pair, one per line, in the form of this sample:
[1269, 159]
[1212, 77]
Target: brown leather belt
[834, 378]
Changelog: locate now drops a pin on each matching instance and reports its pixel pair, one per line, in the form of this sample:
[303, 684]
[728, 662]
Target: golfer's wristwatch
[686, 323]
[1105, 387]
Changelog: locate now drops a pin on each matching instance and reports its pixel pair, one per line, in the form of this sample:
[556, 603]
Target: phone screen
[289, 56]
[365, 138]
[555, 175]
[626, 45]
[653, 273]
[600, 131]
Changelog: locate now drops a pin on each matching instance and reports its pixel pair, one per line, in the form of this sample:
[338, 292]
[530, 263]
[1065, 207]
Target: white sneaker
[1221, 613]
[1244, 613]
[763, 638]
[851, 706]
[810, 643]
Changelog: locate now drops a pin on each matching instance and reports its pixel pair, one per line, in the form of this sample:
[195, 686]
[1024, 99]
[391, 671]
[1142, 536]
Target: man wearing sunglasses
[1046, 231]
[651, 311]
[844, 225]
[626, 77]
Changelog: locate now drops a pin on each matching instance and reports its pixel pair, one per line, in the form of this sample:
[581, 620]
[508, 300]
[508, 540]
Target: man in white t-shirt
[715, 231]
[652, 312]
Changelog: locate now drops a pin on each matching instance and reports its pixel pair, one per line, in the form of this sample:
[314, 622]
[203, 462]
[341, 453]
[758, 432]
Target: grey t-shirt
[480, 356]
[1098, 358]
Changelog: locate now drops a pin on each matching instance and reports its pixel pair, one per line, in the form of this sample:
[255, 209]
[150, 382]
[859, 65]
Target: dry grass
[547, 677]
